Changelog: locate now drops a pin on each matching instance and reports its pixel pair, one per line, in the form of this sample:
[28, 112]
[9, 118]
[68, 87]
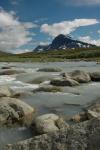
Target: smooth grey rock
[80, 76]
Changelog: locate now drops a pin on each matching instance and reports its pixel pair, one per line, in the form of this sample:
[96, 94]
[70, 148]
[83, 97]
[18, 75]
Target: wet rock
[49, 70]
[80, 76]
[39, 80]
[13, 111]
[11, 72]
[95, 76]
[49, 123]
[48, 88]
[6, 67]
[80, 117]
[61, 124]
[5, 91]
[64, 82]
[92, 111]
[82, 136]
[92, 114]
[94, 106]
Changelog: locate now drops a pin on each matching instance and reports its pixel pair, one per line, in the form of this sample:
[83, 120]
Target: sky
[24, 24]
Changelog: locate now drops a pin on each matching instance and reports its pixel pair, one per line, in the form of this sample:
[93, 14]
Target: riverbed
[66, 104]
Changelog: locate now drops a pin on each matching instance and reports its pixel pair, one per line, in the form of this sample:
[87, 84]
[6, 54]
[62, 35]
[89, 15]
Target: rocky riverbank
[51, 131]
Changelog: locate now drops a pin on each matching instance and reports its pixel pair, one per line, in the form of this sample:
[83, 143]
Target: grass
[54, 55]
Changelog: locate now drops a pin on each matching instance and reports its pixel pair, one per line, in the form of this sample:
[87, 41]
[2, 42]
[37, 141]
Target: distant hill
[4, 53]
[63, 42]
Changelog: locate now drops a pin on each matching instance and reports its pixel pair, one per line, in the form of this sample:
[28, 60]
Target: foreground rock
[95, 76]
[64, 82]
[49, 70]
[82, 136]
[49, 123]
[15, 112]
[11, 72]
[80, 76]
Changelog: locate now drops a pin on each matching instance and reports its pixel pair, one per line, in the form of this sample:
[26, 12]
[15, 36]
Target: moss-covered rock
[49, 70]
[48, 88]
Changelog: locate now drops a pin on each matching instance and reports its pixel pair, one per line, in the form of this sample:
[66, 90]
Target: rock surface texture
[13, 111]
[82, 136]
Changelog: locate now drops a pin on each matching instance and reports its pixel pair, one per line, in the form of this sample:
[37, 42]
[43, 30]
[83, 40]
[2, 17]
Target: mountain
[63, 42]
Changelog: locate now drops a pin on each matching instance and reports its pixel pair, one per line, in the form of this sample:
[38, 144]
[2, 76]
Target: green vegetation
[53, 55]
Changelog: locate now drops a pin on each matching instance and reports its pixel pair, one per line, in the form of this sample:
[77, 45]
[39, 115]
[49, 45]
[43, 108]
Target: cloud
[66, 27]
[80, 2]
[19, 51]
[44, 43]
[88, 39]
[13, 33]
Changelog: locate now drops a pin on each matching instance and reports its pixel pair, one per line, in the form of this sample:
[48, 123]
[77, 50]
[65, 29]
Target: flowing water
[48, 102]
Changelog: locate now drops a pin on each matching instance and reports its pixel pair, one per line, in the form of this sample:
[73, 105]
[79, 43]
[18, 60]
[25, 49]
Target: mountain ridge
[63, 42]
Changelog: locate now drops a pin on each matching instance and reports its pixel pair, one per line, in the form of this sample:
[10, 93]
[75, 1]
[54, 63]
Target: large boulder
[80, 76]
[11, 72]
[95, 76]
[14, 111]
[49, 123]
[64, 82]
[82, 136]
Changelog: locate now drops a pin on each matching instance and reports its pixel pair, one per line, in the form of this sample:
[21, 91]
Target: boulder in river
[6, 67]
[15, 112]
[49, 70]
[48, 88]
[5, 91]
[80, 76]
[80, 117]
[11, 72]
[40, 79]
[49, 123]
[92, 111]
[64, 82]
[95, 76]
